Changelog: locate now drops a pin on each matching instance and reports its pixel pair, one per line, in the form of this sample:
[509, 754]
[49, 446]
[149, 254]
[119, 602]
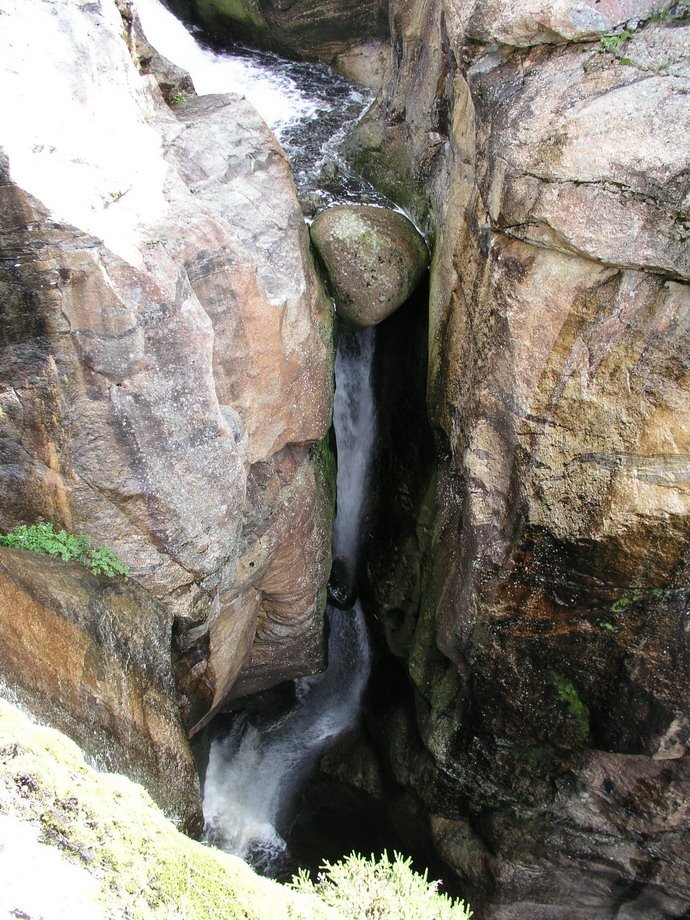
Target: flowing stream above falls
[307, 106]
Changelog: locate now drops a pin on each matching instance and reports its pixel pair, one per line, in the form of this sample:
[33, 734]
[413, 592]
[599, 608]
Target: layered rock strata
[92, 657]
[546, 731]
[310, 29]
[165, 348]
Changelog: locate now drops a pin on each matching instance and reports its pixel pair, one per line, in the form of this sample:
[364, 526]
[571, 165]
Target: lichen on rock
[374, 259]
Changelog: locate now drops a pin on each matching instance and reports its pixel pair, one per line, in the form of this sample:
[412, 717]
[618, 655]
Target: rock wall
[92, 658]
[310, 29]
[165, 347]
[546, 732]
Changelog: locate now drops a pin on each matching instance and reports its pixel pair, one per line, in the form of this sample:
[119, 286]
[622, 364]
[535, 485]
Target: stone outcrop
[91, 656]
[76, 842]
[309, 29]
[366, 64]
[374, 259]
[535, 589]
[165, 346]
[174, 83]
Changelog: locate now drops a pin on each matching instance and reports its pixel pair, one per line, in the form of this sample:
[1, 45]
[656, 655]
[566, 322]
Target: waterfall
[307, 106]
[256, 772]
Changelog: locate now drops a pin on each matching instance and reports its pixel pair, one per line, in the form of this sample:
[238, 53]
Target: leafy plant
[43, 538]
[371, 889]
[614, 43]
[177, 98]
[103, 561]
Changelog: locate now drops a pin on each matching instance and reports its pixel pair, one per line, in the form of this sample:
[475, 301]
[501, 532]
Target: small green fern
[43, 538]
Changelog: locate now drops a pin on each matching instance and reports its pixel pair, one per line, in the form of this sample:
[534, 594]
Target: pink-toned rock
[542, 623]
[163, 332]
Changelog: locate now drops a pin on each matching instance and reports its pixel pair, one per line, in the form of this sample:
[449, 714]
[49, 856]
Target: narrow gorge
[357, 336]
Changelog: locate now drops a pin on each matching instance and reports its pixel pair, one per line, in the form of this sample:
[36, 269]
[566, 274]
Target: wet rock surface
[374, 260]
[164, 339]
[310, 29]
[342, 586]
[90, 656]
[536, 588]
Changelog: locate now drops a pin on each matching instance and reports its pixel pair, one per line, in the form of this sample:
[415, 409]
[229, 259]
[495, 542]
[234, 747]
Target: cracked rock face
[164, 336]
[551, 543]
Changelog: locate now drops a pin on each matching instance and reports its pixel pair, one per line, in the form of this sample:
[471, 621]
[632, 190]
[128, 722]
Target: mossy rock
[120, 856]
[374, 259]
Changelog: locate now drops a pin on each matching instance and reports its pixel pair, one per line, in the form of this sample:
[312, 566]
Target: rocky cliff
[311, 29]
[534, 583]
[165, 350]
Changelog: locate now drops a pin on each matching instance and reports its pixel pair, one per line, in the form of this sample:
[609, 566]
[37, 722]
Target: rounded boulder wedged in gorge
[374, 259]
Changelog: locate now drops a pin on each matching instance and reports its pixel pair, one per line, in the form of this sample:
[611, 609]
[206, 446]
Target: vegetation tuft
[566, 692]
[43, 538]
[614, 43]
[370, 889]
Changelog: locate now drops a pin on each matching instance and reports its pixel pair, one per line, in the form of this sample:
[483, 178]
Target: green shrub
[371, 889]
[43, 538]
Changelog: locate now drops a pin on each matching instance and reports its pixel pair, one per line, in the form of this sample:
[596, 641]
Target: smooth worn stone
[163, 335]
[374, 259]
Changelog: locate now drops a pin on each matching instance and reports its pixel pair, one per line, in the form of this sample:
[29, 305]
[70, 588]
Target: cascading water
[255, 773]
[307, 106]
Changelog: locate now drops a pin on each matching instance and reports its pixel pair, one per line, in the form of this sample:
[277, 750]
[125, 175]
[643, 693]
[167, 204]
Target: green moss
[111, 828]
[244, 12]
[566, 692]
[326, 469]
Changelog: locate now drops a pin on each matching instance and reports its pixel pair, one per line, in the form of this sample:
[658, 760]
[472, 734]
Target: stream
[308, 107]
[256, 770]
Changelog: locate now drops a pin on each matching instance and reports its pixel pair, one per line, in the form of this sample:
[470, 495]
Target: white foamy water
[354, 418]
[256, 772]
[276, 97]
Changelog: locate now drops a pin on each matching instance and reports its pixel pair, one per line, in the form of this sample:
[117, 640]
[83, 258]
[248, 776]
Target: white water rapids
[255, 773]
[276, 97]
[307, 106]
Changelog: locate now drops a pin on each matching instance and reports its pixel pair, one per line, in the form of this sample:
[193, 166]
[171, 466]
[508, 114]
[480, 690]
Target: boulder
[374, 259]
